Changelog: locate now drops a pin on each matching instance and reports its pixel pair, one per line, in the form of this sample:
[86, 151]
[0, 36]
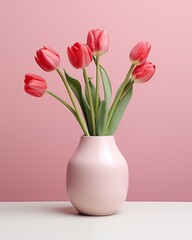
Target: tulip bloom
[47, 59]
[144, 72]
[35, 85]
[79, 55]
[140, 52]
[98, 41]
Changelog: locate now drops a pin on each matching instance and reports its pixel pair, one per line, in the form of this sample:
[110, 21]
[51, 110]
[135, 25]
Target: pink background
[38, 135]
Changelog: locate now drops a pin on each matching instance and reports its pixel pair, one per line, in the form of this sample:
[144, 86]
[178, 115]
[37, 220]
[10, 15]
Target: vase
[97, 176]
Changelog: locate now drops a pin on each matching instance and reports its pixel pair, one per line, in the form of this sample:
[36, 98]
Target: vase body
[97, 176]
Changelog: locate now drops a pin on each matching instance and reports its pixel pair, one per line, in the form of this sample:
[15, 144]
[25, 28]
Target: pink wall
[39, 135]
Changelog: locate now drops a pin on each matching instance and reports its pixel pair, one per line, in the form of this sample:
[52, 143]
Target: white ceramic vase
[97, 176]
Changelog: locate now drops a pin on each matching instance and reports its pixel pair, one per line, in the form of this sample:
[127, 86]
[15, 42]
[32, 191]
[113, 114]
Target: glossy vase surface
[97, 176]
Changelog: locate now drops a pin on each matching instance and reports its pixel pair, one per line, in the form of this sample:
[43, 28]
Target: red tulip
[47, 59]
[143, 73]
[98, 41]
[79, 55]
[140, 52]
[35, 85]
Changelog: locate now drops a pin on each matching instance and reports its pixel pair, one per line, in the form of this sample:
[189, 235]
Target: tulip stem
[128, 86]
[90, 100]
[84, 128]
[62, 101]
[97, 88]
[119, 94]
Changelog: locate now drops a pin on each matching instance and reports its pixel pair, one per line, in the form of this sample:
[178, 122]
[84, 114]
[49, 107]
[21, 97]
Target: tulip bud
[144, 72]
[47, 59]
[98, 41]
[140, 52]
[79, 55]
[35, 85]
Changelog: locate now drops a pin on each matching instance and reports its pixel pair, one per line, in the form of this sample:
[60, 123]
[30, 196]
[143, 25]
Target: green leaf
[88, 116]
[119, 111]
[104, 107]
[77, 90]
[100, 130]
[93, 95]
[106, 85]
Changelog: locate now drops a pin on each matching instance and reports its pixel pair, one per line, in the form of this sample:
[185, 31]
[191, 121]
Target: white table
[60, 221]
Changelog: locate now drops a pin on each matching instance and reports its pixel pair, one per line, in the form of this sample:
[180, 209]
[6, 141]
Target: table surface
[59, 220]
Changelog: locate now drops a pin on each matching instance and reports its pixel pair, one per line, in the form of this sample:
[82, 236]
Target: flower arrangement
[100, 117]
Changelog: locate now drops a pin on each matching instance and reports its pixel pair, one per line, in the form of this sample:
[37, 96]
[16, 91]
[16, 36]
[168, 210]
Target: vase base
[97, 214]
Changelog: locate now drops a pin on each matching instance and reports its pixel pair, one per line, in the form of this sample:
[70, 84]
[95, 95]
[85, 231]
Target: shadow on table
[68, 210]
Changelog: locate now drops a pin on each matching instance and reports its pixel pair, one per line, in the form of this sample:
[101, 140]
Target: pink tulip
[79, 55]
[98, 41]
[47, 59]
[143, 73]
[35, 85]
[140, 52]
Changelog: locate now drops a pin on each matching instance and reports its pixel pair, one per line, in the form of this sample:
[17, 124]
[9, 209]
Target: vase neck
[98, 140]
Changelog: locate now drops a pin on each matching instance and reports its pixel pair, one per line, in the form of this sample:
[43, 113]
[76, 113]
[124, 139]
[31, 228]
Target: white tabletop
[59, 220]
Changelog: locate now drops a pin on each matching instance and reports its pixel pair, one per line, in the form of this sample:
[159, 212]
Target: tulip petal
[32, 92]
[72, 57]
[145, 53]
[144, 72]
[51, 57]
[31, 76]
[42, 64]
[140, 52]
[96, 34]
[91, 41]
[51, 50]
[84, 56]
[37, 86]
[77, 45]
[137, 50]
[103, 42]
[47, 58]
[44, 60]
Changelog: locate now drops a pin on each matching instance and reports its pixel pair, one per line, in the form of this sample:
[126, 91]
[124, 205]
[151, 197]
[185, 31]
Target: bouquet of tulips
[100, 117]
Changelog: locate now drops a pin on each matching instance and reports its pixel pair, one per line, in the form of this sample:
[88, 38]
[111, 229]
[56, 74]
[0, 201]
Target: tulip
[79, 55]
[98, 41]
[47, 59]
[35, 85]
[143, 73]
[140, 52]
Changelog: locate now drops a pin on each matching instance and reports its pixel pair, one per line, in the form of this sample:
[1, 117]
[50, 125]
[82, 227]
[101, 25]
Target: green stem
[128, 86]
[97, 88]
[90, 100]
[62, 101]
[118, 96]
[85, 130]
